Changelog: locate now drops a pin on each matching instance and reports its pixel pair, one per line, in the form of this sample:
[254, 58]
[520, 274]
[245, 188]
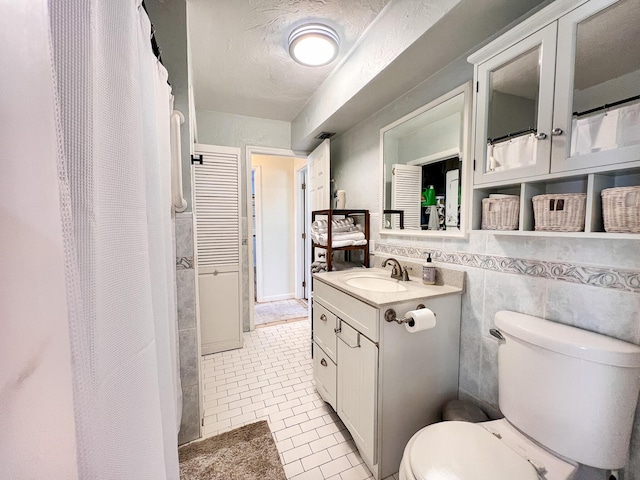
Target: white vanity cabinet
[325, 356]
[358, 387]
[559, 93]
[388, 383]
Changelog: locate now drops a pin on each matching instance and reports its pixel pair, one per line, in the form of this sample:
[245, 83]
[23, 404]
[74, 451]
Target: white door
[358, 388]
[216, 188]
[318, 186]
[319, 163]
[406, 182]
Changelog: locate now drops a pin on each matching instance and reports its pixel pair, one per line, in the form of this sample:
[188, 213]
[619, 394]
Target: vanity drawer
[324, 325]
[359, 315]
[324, 372]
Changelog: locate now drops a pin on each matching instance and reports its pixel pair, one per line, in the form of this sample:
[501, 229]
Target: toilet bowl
[568, 396]
[492, 450]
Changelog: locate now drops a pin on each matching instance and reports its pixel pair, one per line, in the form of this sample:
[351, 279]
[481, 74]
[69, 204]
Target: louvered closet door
[218, 243]
[406, 182]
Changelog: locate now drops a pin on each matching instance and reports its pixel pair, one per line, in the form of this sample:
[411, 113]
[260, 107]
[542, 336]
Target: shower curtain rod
[154, 44]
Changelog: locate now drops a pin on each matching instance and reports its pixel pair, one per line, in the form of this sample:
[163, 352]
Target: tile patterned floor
[271, 379]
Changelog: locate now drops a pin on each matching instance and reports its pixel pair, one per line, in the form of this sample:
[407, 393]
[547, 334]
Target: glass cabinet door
[597, 97]
[514, 110]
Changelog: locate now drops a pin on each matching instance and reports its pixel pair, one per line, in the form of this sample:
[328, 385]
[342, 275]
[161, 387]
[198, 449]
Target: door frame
[302, 247]
[249, 151]
[257, 258]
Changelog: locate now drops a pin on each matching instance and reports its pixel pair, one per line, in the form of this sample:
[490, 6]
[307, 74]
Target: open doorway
[278, 219]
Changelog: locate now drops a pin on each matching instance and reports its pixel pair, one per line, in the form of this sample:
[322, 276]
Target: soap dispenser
[428, 272]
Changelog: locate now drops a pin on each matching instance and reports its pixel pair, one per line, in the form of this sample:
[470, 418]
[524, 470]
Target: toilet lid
[461, 451]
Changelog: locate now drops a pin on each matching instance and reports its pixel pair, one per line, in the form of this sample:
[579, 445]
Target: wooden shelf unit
[329, 248]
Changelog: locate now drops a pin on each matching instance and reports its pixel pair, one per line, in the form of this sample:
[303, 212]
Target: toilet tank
[572, 390]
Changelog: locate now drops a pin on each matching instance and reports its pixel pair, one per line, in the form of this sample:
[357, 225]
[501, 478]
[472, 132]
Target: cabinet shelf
[533, 233]
[592, 184]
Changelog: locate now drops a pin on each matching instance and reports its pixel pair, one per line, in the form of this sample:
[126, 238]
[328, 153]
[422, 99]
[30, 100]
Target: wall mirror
[425, 168]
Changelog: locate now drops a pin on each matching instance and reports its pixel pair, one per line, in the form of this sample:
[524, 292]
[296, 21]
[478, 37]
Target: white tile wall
[271, 379]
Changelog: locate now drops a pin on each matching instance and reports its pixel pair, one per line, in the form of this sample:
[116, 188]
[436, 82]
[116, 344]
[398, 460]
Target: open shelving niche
[591, 183]
[329, 215]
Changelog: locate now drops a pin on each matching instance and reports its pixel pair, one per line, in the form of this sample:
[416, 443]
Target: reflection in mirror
[513, 100]
[513, 112]
[606, 95]
[421, 167]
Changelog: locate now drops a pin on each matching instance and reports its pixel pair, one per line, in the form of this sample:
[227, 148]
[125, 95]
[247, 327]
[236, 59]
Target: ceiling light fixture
[314, 45]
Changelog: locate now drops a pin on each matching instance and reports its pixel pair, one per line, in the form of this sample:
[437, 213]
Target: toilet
[568, 396]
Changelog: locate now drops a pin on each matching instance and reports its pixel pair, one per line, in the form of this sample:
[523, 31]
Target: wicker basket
[621, 209]
[560, 212]
[500, 213]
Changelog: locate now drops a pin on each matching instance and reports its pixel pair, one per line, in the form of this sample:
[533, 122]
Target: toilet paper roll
[423, 319]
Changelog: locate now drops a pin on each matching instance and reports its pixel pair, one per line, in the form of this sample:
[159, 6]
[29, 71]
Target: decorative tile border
[184, 263]
[627, 280]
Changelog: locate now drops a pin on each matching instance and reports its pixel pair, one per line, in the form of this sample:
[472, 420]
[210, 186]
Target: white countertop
[415, 287]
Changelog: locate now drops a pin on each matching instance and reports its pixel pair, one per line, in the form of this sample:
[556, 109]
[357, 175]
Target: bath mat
[245, 453]
[269, 312]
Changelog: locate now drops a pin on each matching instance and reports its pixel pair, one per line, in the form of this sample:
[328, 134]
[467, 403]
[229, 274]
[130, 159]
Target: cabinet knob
[323, 317]
[541, 136]
[557, 131]
[323, 362]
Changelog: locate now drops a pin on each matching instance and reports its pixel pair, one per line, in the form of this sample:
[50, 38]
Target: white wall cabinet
[558, 109]
[514, 107]
[376, 375]
[598, 64]
[553, 97]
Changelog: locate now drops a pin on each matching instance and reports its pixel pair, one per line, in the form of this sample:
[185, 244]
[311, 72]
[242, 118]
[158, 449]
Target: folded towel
[319, 224]
[317, 267]
[341, 225]
[349, 236]
[342, 243]
[338, 229]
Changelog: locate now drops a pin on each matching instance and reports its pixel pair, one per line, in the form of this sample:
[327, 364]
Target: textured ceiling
[239, 54]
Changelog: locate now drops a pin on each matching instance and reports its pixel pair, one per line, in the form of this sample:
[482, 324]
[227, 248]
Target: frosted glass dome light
[313, 45]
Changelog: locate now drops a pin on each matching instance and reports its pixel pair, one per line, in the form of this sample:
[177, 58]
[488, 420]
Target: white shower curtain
[89, 384]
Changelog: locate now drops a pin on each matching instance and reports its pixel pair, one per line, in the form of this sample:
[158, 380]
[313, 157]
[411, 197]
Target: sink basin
[376, 284]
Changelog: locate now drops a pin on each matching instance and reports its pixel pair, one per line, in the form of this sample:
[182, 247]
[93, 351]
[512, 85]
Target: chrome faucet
[399, 272]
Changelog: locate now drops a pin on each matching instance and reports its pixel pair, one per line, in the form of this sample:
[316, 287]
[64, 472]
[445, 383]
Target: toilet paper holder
[391, 316]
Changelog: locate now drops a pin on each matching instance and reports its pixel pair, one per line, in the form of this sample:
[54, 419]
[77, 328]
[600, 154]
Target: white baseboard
[276, 298]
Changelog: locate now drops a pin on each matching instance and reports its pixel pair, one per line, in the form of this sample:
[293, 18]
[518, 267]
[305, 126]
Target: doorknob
[323, 317]
[541, 136]
[557, 131]
[323, 362]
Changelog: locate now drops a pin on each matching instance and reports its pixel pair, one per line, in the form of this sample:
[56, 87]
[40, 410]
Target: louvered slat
[217, 210]
[405, 193]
